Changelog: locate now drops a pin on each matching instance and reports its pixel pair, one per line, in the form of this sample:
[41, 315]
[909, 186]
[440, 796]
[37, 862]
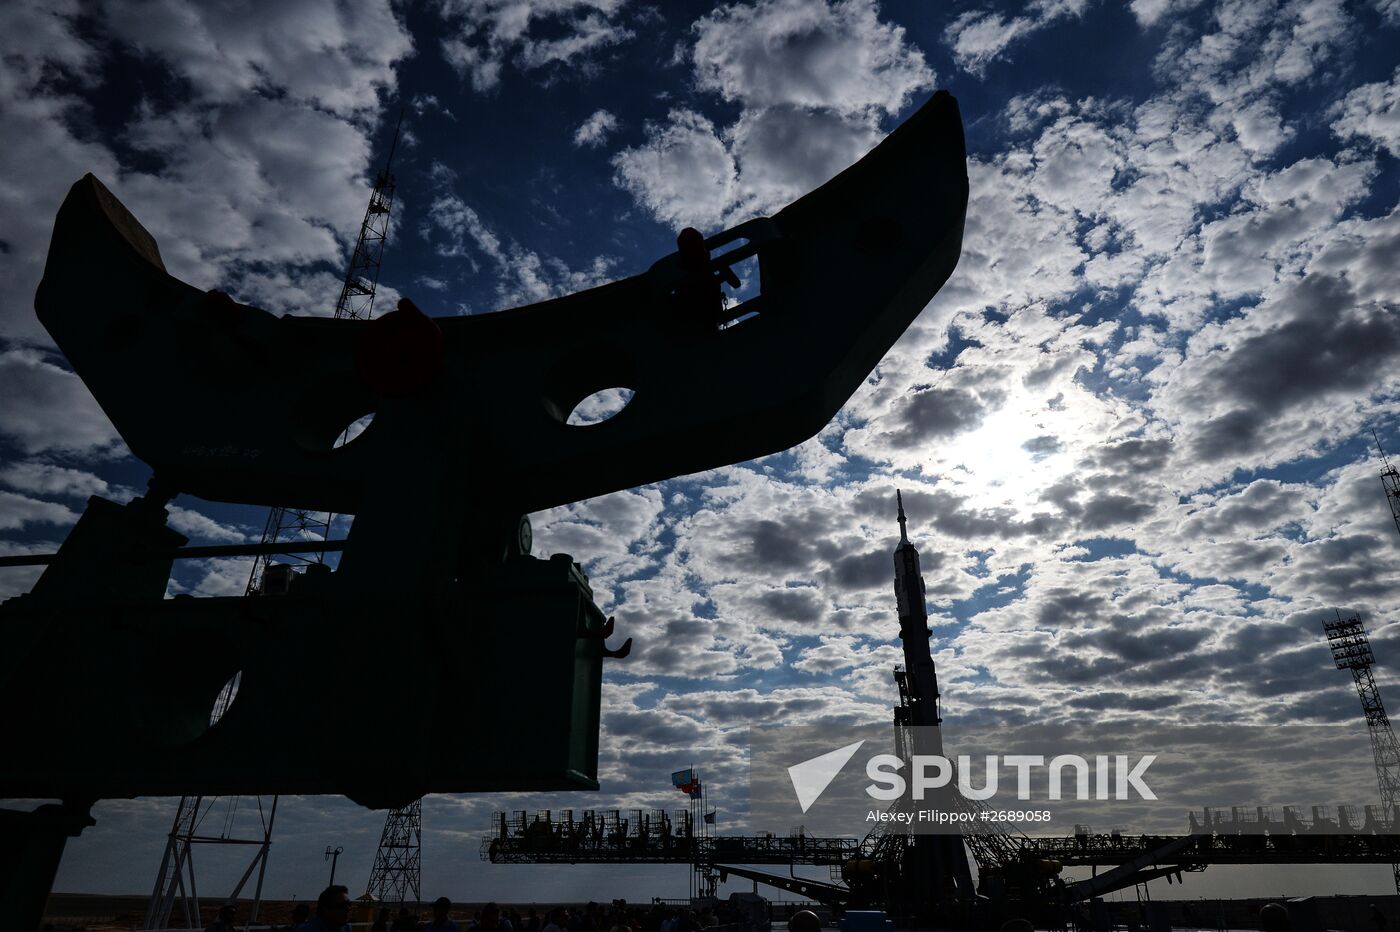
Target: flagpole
[695, 867]
[695, 859]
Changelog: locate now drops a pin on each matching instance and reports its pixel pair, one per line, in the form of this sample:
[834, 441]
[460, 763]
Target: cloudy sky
[1132, 430]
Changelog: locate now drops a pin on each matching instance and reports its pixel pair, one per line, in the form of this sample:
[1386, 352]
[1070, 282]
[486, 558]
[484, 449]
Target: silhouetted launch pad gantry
[639, 836]
[925, 879]
[656, 837]
[109, 684]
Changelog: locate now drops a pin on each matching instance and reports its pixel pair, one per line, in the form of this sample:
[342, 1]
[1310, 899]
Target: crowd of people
[333, 910]
[593, 917]
[334, 906]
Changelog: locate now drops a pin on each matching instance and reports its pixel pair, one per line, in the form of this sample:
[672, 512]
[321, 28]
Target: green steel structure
[470, 431]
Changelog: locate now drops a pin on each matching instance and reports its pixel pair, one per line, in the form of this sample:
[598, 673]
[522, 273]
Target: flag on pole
[710, 817]
[681, 778]
[694, 789]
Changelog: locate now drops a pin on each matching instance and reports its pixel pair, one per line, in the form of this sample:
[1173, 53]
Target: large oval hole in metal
[225, 700]
[354, 430]
[600, 406]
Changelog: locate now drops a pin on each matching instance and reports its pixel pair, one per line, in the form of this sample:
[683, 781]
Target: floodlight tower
[1351, 650]
[272, 574]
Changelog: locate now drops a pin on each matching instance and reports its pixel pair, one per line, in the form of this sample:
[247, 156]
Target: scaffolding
[396, 877]
[176, 882]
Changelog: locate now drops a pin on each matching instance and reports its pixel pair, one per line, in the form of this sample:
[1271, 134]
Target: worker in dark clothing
[442, 920]
[698, 293]
[332, 911]
[1273, 917]
[406, 921]
[225, 921]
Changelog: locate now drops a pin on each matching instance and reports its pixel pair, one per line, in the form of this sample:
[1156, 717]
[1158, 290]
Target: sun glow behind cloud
[1000, 463]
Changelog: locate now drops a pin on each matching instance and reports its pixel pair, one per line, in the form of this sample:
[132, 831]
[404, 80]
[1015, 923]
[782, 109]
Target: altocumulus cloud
[1130, 430]
[812, 79]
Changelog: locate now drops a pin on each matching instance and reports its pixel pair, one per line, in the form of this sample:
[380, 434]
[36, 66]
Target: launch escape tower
[934, 872]
[396, 868]
[1351, 650]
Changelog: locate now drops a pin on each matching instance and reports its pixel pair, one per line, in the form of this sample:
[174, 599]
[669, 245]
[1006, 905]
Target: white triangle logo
[811, 777]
